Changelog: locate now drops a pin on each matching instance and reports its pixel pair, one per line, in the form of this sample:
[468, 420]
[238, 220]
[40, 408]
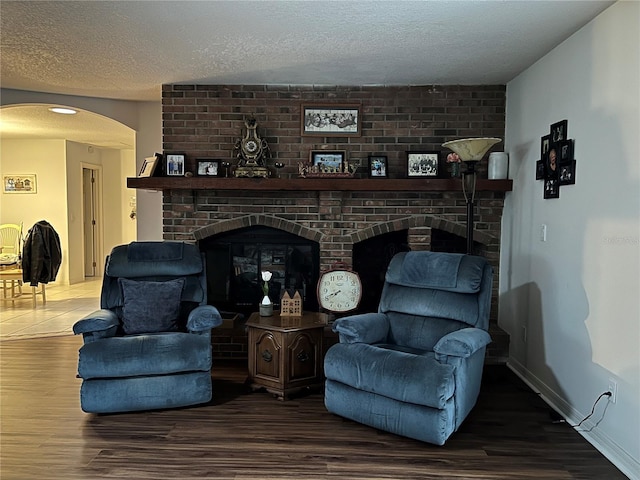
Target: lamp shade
[471, 149]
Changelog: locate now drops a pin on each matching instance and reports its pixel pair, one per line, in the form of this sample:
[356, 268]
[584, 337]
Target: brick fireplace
[204, 121]
[337, 220]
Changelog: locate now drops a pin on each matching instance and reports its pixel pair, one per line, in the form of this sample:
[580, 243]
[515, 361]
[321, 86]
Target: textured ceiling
[36, 121]
[128, 49]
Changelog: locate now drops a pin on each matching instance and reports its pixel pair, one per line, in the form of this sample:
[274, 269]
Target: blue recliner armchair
[415, 367]
[149, 346]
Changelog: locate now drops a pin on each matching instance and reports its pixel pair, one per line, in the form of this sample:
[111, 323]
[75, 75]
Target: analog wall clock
[339, 289]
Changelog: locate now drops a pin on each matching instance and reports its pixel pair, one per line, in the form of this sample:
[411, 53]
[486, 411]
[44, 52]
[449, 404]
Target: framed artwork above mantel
[333, 120]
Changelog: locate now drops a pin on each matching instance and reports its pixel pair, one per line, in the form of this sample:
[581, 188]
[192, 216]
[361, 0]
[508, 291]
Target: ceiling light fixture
[63, 111]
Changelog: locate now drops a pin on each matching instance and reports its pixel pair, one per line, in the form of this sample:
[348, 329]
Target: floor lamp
[470, 151]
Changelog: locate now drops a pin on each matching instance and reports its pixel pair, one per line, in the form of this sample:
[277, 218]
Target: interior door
[89, 207]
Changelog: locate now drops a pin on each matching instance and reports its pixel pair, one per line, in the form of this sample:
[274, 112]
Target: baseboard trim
[616, 455]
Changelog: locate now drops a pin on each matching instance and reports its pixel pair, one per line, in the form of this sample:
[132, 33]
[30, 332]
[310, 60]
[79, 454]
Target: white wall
[577, 294]
[115, 225]
[58, 167]
[45, 158]
[148, 142]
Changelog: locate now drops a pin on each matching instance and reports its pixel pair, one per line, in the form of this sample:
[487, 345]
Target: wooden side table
[285, 353]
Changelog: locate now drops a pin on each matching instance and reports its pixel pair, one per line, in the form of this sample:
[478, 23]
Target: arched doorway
[58, 150]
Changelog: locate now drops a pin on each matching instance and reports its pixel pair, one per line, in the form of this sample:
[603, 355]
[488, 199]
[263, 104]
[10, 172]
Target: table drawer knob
[267, 356]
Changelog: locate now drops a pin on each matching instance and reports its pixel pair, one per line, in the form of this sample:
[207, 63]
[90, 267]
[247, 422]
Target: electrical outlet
[613, 388]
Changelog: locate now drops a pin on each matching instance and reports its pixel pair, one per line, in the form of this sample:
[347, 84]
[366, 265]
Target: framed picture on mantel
[423, 164]
[378, 166]
[174, 164]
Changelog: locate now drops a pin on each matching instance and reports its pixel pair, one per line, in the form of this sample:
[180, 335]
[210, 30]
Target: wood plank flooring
[241, 435]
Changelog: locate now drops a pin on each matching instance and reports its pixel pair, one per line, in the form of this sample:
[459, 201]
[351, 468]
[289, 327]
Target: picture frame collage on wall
[557, 165]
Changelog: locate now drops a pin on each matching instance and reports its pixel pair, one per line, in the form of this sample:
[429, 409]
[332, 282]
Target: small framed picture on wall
[559, 131]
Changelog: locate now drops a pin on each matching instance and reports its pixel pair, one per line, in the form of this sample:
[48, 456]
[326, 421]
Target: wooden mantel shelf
[315, 184]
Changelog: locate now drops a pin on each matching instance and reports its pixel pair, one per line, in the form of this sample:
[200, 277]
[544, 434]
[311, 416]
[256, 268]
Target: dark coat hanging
[41, 255]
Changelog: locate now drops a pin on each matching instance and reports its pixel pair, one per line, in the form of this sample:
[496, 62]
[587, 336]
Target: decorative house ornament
[291, 306]
[252, 152]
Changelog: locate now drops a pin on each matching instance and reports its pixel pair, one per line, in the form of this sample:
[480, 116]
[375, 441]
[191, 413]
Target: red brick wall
[205, 121]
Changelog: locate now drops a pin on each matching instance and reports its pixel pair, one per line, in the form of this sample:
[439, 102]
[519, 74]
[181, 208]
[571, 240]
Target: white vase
[498, 165]
[266, 307]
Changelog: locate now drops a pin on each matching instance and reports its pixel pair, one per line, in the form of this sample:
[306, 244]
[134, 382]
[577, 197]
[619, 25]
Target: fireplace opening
[443, 241]
[371, 259]
[235, 260]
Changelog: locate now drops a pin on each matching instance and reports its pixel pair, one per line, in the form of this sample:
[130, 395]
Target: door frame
[99, 228]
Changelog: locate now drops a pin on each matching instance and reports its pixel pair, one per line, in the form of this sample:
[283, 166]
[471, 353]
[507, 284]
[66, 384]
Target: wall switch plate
[543, 233]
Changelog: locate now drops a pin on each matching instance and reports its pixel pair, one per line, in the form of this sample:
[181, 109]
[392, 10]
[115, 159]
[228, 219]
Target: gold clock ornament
[252, 152]
[339, 289]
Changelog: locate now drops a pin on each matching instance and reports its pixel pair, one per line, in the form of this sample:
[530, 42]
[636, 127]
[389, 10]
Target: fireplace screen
[235, 260]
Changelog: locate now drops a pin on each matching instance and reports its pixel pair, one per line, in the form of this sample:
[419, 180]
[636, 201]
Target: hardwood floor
[238, 436]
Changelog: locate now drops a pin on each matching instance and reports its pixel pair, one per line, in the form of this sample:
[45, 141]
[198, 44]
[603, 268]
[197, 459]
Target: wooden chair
[10, 249]
[11, 238]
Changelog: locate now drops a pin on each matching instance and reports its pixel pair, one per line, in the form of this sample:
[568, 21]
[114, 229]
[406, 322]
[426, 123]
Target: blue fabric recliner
[149, 346]
[415, 367]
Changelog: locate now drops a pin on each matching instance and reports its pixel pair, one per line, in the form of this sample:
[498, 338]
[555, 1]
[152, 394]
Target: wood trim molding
[316, 184]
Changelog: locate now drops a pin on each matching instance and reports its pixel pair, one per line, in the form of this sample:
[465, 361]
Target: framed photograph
[544, 145]
[551, 188]
[565, 150]
[208, 167]
[331, 120]
[149, 166]
[422, 164]
[540, 169]
[327, 161]
[568, 172]
[559, 131]
[19, 183]
[174, 164]
[552, 161]
[378, 166]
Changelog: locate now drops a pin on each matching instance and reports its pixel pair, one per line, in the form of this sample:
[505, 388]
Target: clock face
[339, 290]
[251, 146]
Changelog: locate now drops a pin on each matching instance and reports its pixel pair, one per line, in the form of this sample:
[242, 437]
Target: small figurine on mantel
[291, 306]
[252, 152]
